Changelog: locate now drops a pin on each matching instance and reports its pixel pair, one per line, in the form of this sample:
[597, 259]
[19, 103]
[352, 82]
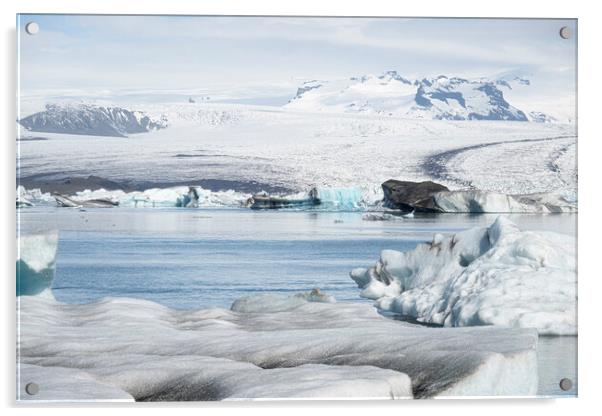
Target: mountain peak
[441, 97]
[91, 119]
[393, 75]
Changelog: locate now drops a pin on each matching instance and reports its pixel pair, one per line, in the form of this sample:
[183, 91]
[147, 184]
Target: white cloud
[121, 52]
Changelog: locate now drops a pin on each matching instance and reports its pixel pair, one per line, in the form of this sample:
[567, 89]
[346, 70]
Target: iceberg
[498, 275]
[475, 201]
[385, 216]
[320, 198]
[32, 197]
[265, 347]
[36, 256]
[177, 196]
[428, 196]
[299, 201]
[341, 198]
[65, 201]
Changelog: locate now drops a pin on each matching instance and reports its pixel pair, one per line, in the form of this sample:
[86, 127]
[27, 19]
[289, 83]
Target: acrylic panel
[239, 208]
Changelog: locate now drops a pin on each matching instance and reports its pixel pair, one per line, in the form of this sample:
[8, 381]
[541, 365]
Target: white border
[590, 205]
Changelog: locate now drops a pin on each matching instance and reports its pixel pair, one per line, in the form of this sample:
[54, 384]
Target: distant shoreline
[58, 182]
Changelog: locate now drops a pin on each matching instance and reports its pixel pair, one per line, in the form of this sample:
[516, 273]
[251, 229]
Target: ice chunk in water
[36, 262]
[498, 275]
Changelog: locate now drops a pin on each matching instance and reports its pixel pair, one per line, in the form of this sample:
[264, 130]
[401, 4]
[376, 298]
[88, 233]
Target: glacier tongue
[297, 349]
[498, 275]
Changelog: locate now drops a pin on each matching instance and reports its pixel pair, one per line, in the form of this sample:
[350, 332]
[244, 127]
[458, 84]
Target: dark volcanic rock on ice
[408, 196]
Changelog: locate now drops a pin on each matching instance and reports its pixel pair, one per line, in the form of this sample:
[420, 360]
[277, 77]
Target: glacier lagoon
[193, 259]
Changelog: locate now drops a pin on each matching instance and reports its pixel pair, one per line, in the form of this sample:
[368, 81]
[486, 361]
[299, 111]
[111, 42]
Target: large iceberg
[498, 275]
[36, 256]
[428, 196]
[474, 201]
[264, 347]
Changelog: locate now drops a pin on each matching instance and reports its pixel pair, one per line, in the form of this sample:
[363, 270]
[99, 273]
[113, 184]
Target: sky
[255, 56]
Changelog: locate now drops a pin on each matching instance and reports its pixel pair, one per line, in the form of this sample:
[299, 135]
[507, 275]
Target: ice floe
[265, 347]
[498, 275]
[386, 216]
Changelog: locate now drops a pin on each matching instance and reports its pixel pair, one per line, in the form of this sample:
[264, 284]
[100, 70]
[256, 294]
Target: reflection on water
[249, 224]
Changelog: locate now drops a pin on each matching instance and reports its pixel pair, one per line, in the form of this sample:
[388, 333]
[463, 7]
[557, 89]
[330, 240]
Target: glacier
[277, 347]
[496, 275]
[308, 149]
[36, 258]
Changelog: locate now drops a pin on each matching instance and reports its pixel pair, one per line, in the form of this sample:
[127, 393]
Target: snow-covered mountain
[540, 117]
[91, 120]
[431, 98]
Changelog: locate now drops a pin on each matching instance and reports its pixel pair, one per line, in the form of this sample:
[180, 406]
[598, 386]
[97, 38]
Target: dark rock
[411, 196]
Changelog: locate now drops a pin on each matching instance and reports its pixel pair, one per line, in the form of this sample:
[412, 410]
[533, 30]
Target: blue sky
[112, 53]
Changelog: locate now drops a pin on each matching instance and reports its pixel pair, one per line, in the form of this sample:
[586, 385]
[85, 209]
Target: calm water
[189, 259]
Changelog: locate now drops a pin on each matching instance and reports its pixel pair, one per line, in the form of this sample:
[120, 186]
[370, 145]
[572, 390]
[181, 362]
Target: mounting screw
[565, 32]
[32, 389]
[32, 28]
[566, 384]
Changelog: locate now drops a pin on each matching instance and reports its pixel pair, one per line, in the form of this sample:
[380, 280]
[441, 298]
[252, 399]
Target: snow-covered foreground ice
[265, 347]
[297, 150]
[496, 275]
